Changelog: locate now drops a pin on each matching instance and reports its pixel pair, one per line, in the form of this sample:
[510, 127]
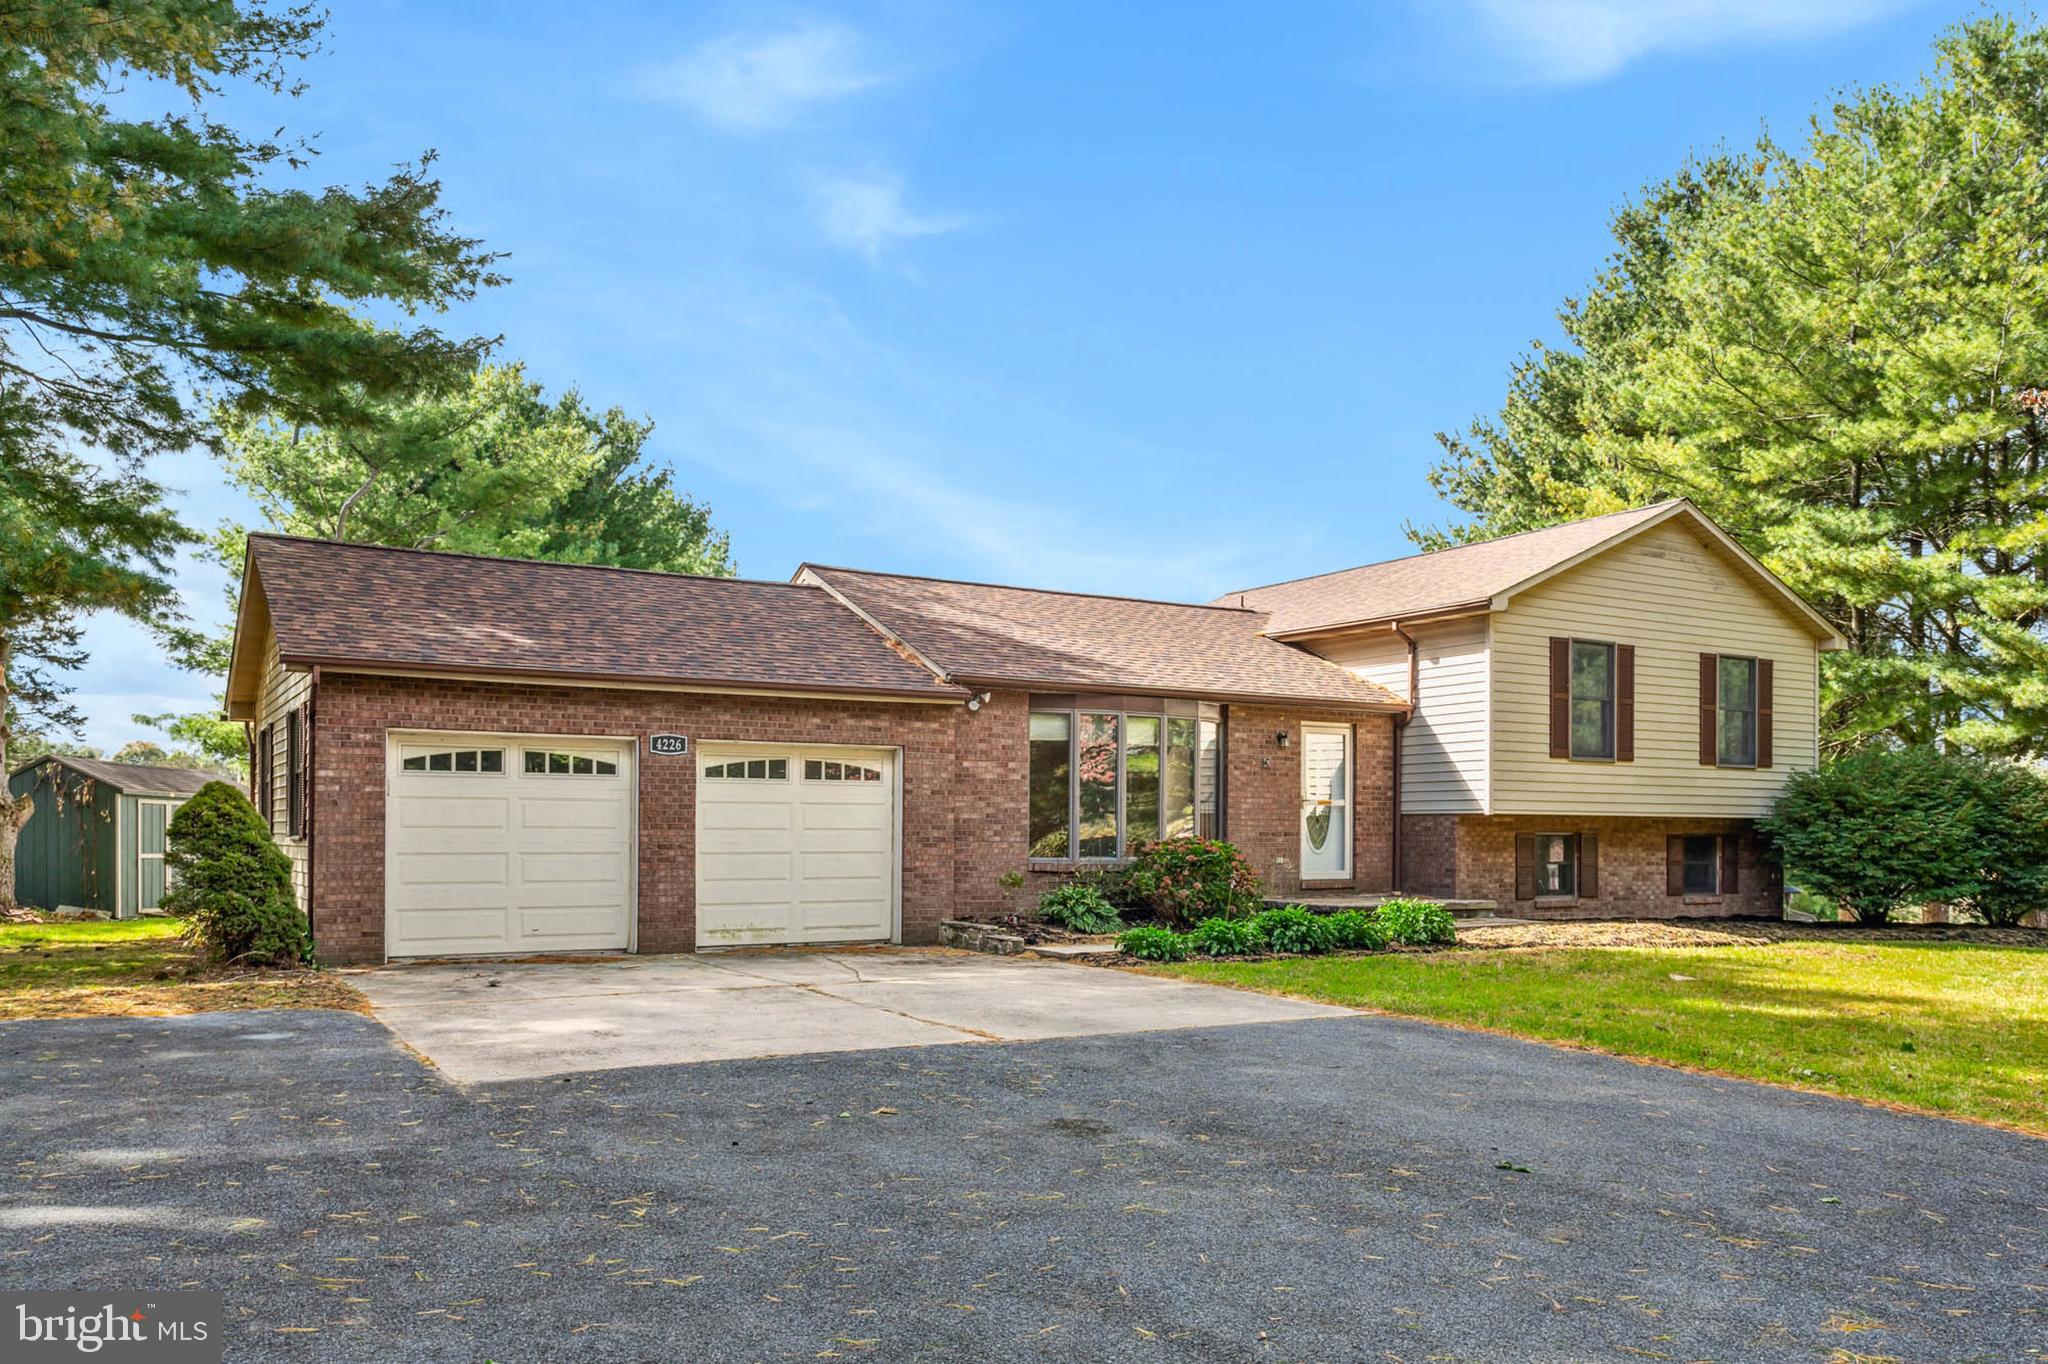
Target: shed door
[152, 818]
[507, 843]
[795, 845]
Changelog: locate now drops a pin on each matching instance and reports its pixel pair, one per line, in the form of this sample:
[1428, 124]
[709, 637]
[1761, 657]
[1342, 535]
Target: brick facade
[1262, 788]
[352, 715]
[1472, 857]
[965, 780]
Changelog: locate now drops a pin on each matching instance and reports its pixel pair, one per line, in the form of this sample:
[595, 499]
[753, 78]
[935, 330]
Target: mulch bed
[1570, 933]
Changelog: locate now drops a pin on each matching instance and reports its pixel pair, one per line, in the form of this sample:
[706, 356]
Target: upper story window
[1102, 781]
[1735, 728]
[1592, 700]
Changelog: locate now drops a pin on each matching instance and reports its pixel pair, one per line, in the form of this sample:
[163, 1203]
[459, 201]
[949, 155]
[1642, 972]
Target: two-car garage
[503, 843]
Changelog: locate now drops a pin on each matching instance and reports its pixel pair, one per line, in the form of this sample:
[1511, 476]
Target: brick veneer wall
[992, 809]
[1263, 788]
[1631, 868]
[1429, 855]
[353, 714]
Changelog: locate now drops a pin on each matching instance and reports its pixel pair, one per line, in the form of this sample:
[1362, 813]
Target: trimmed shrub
[1154, 944]
[1358, 931]
[232, 883]
[1296, 929]
[1225, 938]
[1417, 923]
[2009, 825]
[1080, 906]
[1885, 828]
[1185, 880]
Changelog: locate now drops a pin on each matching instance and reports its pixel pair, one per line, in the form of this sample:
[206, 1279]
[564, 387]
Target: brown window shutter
[306, 770]
[1624, 703]
[1731, 864]
[1589, 866]
[1560, 697]
[1674, 864]
[1763, 712]
[1710, 708]
[1525, 866]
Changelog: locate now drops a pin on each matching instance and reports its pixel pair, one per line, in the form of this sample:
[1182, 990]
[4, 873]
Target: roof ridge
[1015, 587]
[285, 538]
[1453, 549]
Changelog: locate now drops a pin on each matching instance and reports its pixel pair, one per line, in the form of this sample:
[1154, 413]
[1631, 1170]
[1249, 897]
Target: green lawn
[140, 966]
[1953, 1028]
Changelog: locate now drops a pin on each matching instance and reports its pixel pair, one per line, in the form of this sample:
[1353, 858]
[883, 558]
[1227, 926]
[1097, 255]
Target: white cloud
[752, 82]
[1567, 42]
[867, 214]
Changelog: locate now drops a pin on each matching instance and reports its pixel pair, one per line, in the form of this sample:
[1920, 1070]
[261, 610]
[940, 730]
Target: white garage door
[507, 844]
[795, 845]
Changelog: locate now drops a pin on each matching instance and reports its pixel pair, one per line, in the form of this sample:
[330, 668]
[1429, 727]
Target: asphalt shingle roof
[1436, 581]
[335, 603]
[177, 781]
[981, 633]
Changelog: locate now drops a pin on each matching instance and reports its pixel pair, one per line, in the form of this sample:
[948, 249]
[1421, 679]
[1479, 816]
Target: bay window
[1103, 781]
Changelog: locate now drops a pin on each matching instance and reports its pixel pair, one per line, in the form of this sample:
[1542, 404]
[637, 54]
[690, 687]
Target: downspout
[1401, 723]
[312, 786]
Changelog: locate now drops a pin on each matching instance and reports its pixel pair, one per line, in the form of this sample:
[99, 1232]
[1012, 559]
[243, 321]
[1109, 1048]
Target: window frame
[294, 768]
[1572, 855]
[1610, 726]
[1123, 715]
[453, 752]
[1722, 709]
[1714, 855]
[547, 754]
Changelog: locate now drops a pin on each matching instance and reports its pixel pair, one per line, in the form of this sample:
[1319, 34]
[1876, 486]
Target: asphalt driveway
[523, 1020]
[1331, 1189]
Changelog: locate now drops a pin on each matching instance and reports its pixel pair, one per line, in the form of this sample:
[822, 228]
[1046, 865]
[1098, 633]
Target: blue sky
[1160, 299]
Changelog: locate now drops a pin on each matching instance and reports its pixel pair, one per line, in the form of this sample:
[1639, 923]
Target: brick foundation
[1472, 857]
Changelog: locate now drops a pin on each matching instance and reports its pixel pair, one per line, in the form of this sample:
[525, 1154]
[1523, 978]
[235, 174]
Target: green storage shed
[96, 837]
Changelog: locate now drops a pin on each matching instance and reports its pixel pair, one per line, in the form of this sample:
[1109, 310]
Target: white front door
[795, 844]
[1325, 802]
[507, 843]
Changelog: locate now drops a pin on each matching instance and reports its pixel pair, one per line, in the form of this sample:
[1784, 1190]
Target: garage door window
[749, 769]
[817, 769]
[553, 763]
[481, 760]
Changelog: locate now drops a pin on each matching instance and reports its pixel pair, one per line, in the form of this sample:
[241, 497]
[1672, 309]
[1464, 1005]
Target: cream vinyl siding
[1444, 750]
[280, 693]
[1674, 599]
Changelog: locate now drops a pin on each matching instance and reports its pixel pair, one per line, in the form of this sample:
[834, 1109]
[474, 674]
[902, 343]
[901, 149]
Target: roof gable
[981, 634]
[1486, 575]
[339, 605]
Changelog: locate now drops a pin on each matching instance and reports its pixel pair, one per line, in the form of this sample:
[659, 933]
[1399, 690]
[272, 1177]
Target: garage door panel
[484, 863]
[722, 814]
[429, 812]
[808, 859]
[453, 930]
[548, 811]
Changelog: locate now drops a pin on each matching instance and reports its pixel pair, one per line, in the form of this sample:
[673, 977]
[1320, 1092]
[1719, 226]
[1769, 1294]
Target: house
[95, 839]
[466, 755]
[1602, 709]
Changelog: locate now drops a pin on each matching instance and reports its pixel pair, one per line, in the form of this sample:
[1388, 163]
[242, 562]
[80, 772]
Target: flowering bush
[1186, 880]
